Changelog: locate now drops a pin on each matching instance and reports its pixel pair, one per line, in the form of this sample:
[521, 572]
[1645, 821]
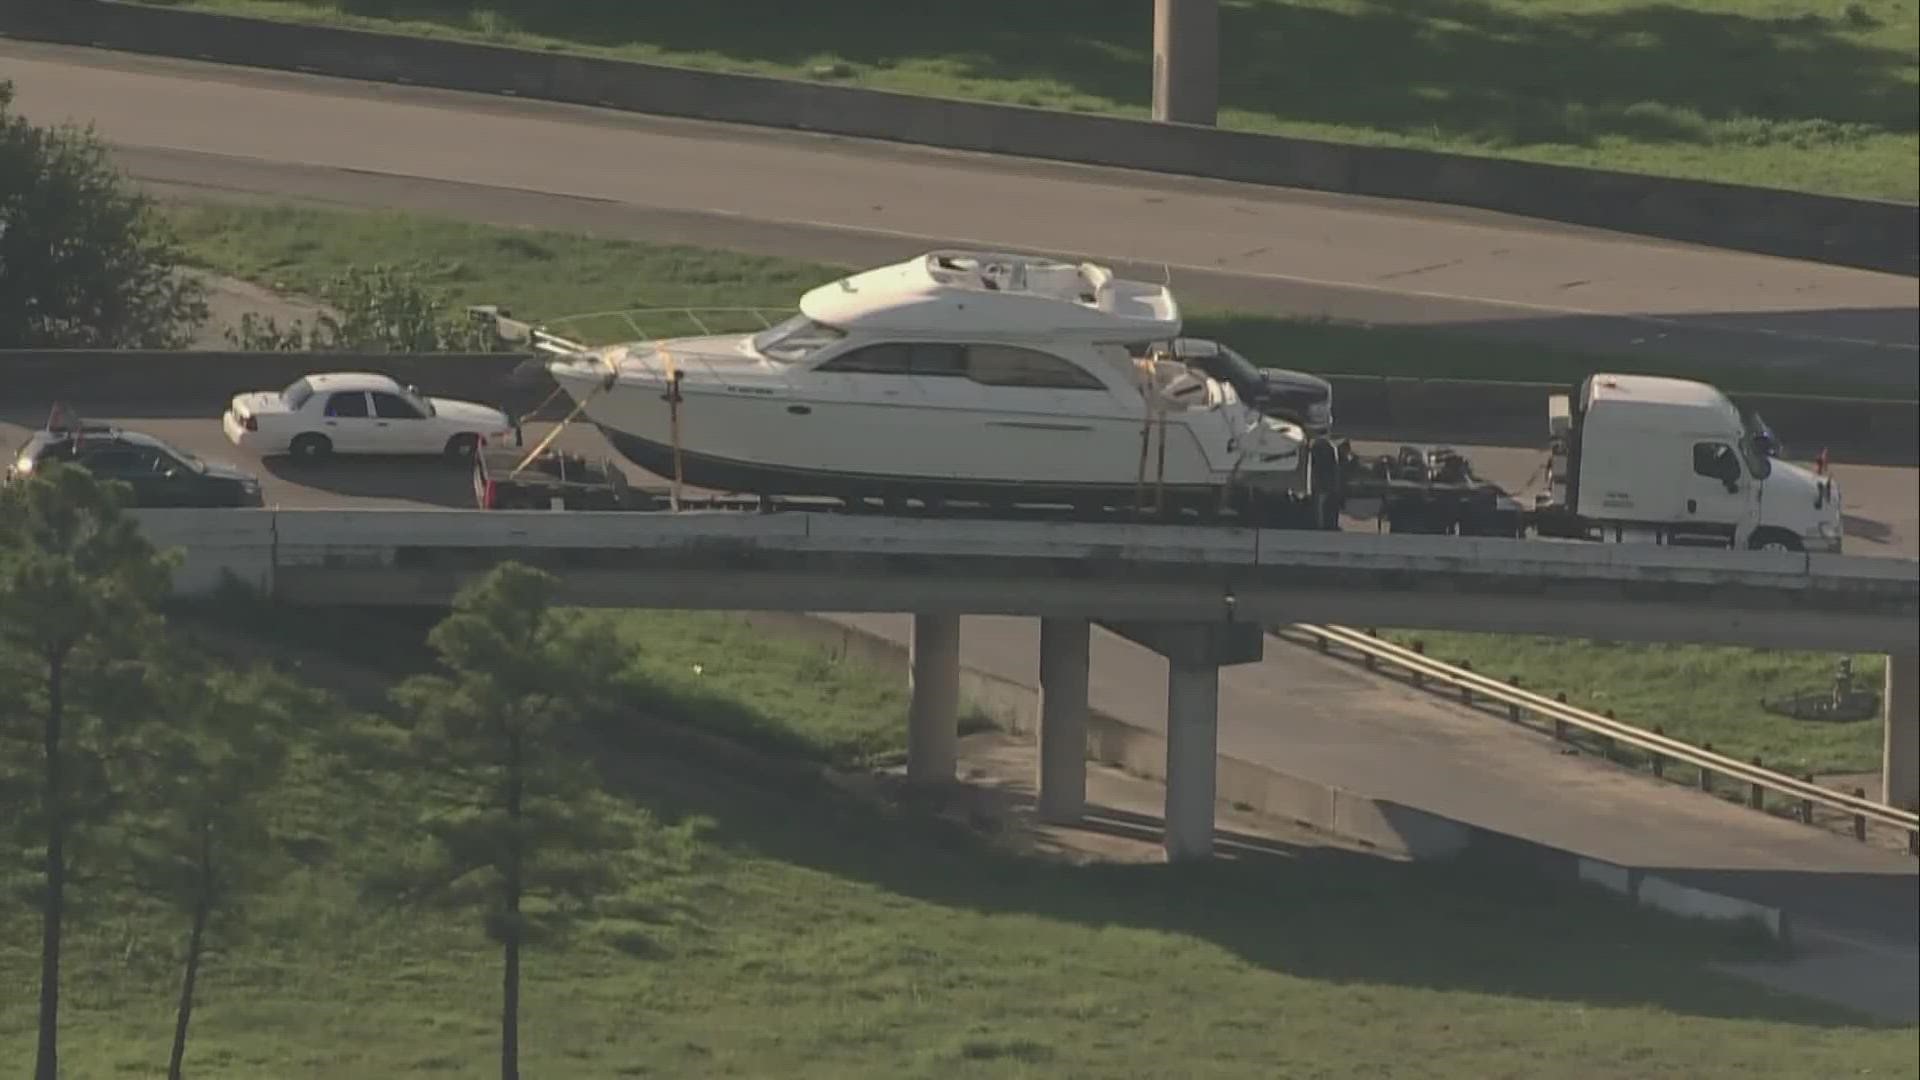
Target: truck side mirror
[1733, 486]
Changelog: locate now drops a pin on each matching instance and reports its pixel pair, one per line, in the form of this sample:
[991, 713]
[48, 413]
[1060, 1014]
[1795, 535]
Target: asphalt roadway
[198, 129]
[203, 130]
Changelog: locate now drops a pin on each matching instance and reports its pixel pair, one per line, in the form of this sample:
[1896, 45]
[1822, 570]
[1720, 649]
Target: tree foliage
[78, 589]
[85, 262]
[198, 832]
[381, 309]
[517, 826]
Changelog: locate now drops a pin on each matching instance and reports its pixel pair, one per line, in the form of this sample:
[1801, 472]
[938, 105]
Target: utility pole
[1186, 61]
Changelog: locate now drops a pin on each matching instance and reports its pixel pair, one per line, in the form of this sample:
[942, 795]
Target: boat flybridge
[957, 375]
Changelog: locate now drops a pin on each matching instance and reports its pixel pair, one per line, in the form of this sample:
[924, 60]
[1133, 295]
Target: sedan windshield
[296, 394]
[795, 339]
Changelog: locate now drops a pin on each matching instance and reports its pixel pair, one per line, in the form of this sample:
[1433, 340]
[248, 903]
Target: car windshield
[795, 339]
[297, 394]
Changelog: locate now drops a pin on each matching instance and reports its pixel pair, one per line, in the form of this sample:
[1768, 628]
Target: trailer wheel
[1323, 485]
[1774, 540]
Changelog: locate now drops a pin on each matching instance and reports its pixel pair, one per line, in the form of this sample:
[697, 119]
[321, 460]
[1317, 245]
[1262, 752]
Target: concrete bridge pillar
[1900, 765]
[1062, 779]
[1195, 654]
[1193, 738]
[1186, 61]
[933, 711]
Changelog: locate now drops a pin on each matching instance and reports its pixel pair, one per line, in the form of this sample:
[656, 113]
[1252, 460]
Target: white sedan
[352, 412]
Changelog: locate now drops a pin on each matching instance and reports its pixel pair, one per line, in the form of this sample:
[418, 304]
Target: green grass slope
[780, 930]
[548, 275]
[1698, 693]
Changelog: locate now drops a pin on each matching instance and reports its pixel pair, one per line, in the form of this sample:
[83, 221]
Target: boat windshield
[795, 339]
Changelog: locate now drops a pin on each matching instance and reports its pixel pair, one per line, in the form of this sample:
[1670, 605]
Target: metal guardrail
[1520, 701]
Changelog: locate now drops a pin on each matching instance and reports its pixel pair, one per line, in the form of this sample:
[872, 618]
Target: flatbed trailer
[1432, 491]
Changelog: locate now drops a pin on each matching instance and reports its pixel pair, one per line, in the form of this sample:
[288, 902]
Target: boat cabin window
[795, 339]
[900, 358]
[1010, 365]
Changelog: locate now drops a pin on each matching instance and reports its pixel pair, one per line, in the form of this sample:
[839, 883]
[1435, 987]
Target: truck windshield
[1753, 446]
[795, 339]
[1238, 369]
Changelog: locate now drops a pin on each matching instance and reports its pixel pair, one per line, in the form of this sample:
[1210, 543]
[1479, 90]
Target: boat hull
[757, 436]
[715, 473]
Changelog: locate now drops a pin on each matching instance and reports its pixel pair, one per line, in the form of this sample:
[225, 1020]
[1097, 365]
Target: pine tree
[78, 591]
[518, 826]
[198, 832]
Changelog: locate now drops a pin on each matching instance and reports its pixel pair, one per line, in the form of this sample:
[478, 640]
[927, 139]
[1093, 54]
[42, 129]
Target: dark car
[1305, 399]
[159, 474]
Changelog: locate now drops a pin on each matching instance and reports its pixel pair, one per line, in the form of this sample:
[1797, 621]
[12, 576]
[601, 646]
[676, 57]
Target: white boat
[955, 375]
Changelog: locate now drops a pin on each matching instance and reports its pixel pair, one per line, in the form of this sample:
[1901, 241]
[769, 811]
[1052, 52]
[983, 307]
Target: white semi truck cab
[1639, 457]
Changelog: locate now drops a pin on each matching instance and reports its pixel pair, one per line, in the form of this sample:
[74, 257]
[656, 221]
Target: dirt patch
[228, 299]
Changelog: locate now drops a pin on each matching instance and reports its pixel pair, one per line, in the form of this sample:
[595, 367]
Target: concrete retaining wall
[1509, 413]
[1382, 824]
[1653, 891]
[201, 382]
[1366, 406]
[241, 548]
[1851, 232]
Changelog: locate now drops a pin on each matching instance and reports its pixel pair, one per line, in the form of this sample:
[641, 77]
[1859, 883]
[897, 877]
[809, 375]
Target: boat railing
[570, 335]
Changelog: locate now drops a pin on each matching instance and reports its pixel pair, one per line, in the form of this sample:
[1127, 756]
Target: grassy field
[1699, 693]
[711, 671]
[1780, 93]
[796, 933]
[545, 275]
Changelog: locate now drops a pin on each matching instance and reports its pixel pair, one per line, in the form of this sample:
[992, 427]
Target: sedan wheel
[310, 448]
[461, 449]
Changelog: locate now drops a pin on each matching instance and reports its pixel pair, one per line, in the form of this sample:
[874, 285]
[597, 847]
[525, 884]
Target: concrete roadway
[195, 128]
[1883, 517]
